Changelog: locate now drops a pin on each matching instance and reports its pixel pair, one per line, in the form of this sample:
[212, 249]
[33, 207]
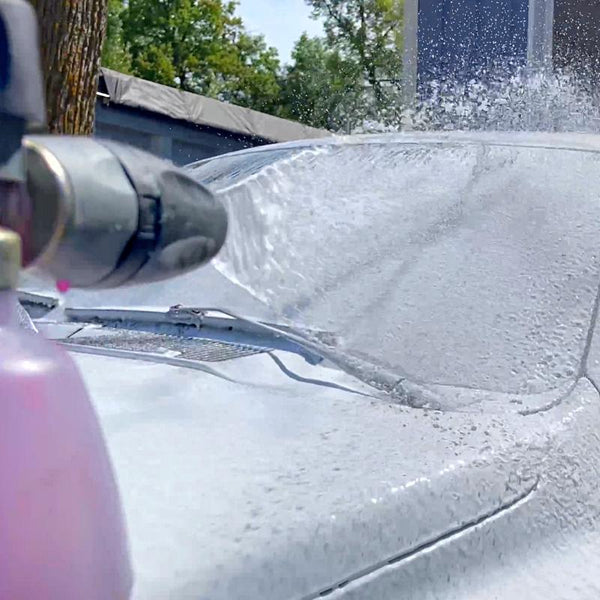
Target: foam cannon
[103, 214]
[95, 214]
[91, 212]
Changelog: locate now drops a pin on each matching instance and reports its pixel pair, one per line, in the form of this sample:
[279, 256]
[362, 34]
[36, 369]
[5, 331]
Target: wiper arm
[367, 372]
[400, 387]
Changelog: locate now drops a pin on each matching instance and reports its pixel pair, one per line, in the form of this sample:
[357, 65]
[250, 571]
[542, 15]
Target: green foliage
[248, 73]
[339, 82]
[201, 46]
[114, 52]
[322, 88]
[368, 34]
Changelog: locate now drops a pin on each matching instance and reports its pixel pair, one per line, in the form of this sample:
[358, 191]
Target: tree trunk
[72, 33]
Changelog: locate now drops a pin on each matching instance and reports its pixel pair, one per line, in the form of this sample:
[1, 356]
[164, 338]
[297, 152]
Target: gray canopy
[170, 102]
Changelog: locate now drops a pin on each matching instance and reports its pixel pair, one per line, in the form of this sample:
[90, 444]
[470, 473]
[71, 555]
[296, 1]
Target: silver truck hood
[268, 487]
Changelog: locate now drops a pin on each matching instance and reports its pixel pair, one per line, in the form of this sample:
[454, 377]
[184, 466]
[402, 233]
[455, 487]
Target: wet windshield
[457, 263]
[460, 263]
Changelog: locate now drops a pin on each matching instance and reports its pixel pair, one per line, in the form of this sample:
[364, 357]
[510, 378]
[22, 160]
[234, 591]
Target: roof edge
[127, 90]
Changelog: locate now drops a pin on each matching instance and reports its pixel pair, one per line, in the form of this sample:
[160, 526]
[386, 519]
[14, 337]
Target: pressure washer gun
[90, 213]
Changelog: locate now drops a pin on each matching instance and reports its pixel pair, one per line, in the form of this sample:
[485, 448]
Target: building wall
[459, 39]
[455, 39]
[176, 140]
[577, 35]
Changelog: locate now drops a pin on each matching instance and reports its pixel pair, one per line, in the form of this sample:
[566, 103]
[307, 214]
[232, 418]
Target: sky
[282, 22]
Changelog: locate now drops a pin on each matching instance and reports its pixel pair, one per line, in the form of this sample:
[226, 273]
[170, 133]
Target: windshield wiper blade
[195, 322]
[210, 323]
[249, 331]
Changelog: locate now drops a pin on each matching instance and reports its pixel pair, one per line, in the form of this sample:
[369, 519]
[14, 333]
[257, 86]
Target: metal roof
[133, 92]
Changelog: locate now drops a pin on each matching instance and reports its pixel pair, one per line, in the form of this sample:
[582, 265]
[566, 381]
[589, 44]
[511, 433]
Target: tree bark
[72, 33]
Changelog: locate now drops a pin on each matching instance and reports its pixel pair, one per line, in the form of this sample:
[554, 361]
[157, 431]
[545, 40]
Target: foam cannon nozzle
[103, 214]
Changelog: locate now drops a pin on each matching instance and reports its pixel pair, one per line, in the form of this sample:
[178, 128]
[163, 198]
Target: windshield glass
[464, 264]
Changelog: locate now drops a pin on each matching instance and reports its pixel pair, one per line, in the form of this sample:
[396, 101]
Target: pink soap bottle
[62, 535]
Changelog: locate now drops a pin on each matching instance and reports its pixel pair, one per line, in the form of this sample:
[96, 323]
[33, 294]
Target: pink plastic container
[62, 534]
